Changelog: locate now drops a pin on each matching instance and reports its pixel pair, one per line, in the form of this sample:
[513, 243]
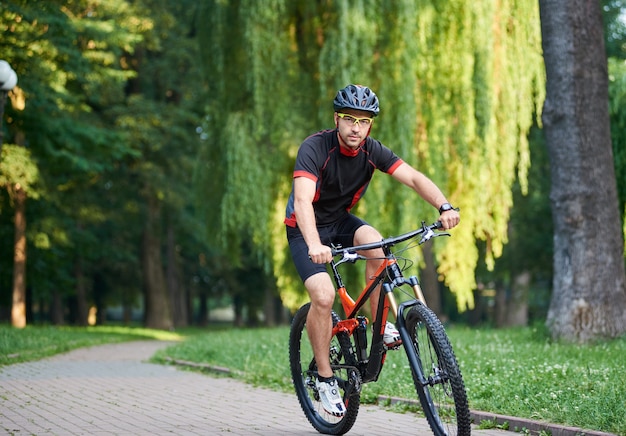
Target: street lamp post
[8, 80]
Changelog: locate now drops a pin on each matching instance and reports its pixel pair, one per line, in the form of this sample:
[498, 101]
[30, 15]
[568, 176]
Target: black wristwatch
[446, 206]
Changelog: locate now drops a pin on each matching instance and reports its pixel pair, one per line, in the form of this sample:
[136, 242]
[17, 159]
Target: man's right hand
[319, 253]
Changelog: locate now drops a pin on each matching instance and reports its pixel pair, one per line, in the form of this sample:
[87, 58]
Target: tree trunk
[511, 302]
[478, 314]
[99, 297]
[56, 309]
[82, 307]
[517, 303]
[157, 309]
[589, 298]
[203, 309]
[238, 309]
[501, 298]
[429, 280]
[269, 306]
[18, 308]
[178, 298]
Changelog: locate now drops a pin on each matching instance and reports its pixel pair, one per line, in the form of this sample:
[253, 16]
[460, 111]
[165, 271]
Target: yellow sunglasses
[355, 120]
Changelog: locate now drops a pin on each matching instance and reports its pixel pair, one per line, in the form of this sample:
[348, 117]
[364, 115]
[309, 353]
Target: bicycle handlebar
[391, 241]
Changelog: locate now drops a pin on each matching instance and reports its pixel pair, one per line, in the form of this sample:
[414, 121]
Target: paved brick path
[112, 390]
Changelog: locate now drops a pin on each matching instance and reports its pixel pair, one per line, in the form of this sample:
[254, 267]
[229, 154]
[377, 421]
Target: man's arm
[304, 192]
[427, 189]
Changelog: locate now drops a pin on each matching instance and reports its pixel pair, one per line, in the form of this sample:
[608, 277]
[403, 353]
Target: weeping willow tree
[258, 106]
[241, 163]
[459, 84]
[481, 81]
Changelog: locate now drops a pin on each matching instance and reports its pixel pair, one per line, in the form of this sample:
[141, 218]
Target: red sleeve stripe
[301, 173]
[291, 220]
[395, 166]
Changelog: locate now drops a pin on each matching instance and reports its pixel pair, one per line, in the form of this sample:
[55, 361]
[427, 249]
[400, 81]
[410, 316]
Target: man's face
[353, 126]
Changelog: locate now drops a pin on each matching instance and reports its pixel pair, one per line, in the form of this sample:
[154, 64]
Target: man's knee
[321, 291]
[366, 234]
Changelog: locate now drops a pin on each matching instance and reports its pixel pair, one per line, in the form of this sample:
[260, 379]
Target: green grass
[522, 373]
[518, 372]
[32, 343]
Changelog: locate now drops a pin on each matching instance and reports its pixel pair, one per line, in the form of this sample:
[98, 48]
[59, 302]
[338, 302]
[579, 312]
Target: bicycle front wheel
[437, 377]
[304, 374]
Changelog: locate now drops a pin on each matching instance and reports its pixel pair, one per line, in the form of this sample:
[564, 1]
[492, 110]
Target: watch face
[444, 207]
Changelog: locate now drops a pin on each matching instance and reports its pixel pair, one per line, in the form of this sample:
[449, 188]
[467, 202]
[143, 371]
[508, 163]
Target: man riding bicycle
[332, 172]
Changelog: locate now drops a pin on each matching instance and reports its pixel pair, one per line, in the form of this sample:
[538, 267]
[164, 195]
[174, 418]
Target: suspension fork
[417, 289]
[397, 281]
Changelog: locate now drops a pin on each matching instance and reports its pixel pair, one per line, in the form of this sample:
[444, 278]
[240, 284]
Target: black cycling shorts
[341, 232]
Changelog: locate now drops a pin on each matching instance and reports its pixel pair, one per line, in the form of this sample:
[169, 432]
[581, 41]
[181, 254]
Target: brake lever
[347, 256]
[350, 257]
[429, 233]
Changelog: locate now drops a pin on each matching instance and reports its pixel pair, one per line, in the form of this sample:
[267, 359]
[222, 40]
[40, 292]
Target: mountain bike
[434, 368]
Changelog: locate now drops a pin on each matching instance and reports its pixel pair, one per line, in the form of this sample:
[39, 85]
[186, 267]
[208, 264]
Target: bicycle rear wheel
[304, 374]
[437, 378]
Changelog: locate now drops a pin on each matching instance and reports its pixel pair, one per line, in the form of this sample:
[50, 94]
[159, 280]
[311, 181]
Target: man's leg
[364, 235]
[319, 323]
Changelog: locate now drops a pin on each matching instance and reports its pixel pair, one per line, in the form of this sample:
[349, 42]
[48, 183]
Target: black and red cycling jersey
[341, 176]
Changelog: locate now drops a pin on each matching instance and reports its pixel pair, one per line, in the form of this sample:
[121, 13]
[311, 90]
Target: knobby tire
[304, 370]
[443, 397]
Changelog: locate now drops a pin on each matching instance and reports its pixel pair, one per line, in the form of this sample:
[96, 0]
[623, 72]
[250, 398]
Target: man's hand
[449, 219]
[319, 253]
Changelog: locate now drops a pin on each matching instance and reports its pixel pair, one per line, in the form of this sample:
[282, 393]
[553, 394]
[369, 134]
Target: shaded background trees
[164, 134]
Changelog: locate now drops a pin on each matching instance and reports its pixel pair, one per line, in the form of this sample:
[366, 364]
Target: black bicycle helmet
[356, 97]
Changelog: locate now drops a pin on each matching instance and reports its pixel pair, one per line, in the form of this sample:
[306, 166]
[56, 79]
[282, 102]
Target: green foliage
[529, 249]
[455, 102]
[350, 35]
[487, 424]
[617, 109]
[475, 121]
[18, 168]
[203, 105]
[66, 56]
[113, 97]
[245, 141]
[246, 197]
[614, 28]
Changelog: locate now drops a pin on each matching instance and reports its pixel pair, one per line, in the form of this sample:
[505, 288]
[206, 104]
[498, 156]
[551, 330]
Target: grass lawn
[32, 343]
[518, 372]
